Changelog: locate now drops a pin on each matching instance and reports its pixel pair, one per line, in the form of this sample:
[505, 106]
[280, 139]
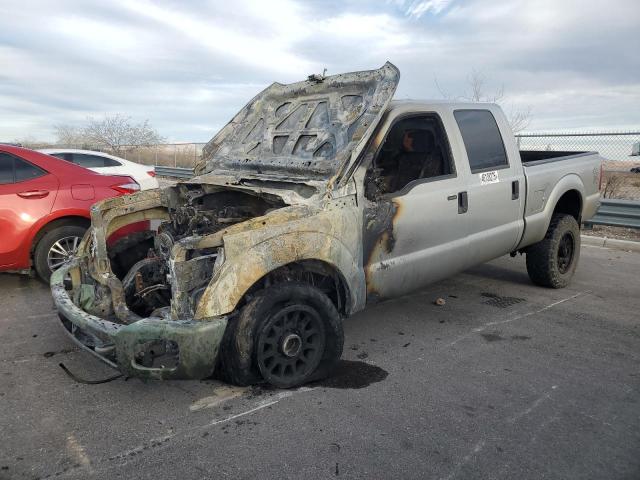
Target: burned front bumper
[191, 347]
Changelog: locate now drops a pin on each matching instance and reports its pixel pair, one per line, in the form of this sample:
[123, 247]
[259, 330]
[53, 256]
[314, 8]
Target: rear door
[27, 193]
[495, 186]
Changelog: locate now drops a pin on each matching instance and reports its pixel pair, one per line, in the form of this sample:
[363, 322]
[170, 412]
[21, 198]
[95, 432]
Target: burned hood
[306, 130]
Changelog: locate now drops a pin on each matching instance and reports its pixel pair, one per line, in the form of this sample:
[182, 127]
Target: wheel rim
[566, 250]
[291, 345]
[61, 251]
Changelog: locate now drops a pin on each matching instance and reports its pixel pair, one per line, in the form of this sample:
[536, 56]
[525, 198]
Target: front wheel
[289, 334]
[552, 261]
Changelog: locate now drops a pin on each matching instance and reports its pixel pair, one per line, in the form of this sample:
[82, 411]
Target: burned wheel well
[570, 203]
[316, 273]
[58, 222]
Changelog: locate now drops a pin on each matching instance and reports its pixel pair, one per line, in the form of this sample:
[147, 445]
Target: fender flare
[537, 223]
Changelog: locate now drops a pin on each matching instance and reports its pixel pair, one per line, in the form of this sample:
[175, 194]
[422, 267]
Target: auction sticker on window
[489, 177]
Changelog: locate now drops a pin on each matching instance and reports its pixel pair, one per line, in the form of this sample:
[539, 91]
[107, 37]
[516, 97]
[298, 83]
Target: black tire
[41, 253]
[273, 319]
[553, 261]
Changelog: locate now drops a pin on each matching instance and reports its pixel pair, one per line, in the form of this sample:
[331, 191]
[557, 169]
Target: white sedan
[107, 164]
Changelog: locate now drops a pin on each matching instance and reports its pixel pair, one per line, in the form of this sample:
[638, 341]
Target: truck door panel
[414, 233]
[495, 187]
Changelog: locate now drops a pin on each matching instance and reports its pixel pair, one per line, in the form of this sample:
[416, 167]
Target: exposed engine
[204, 209]
[194, 210]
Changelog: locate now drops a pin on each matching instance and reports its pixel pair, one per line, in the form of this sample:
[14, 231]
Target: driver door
[417, 234]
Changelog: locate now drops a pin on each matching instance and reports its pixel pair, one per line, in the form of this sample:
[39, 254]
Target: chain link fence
[619, 150]
[166, 154]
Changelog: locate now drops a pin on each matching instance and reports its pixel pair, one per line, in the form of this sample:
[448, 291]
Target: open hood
[304, 130]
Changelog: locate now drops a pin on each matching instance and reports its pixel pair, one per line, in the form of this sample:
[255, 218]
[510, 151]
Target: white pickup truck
[317, 198]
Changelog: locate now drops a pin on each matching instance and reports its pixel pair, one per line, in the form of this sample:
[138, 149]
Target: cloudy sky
[188, 66]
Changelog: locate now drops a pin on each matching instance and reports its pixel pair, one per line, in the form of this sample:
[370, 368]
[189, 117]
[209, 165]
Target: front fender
[332, 237]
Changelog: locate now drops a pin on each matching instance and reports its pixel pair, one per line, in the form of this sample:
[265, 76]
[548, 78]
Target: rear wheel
[55, 248]
[287, 335]
[552, 261]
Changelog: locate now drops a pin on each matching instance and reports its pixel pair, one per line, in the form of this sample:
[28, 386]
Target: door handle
[452, 197]
[515, 190]
[463, 202]
[33, 194]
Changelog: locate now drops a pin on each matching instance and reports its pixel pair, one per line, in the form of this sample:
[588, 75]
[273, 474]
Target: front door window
[415, 150]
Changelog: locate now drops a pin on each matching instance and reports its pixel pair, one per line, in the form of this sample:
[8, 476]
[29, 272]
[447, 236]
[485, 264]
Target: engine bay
[142, 260]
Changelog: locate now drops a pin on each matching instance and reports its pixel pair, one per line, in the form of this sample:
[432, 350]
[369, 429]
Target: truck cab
[454, 194]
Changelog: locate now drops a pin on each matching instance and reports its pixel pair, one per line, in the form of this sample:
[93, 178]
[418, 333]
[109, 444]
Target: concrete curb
[627, 245]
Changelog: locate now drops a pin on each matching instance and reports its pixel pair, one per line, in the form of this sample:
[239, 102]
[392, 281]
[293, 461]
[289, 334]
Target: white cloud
[188, 66]
[417, 9]
[271, 52]
[377, 32]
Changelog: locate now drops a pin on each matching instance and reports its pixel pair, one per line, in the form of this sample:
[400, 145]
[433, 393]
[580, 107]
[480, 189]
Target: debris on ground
[621, 233]
[439, 301]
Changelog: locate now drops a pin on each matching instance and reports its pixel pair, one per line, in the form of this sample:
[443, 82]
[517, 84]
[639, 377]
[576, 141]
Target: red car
[44, 208]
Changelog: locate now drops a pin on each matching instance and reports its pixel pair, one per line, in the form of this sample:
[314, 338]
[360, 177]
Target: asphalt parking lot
[507, 380]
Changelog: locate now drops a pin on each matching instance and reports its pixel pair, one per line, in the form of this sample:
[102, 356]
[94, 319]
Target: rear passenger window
[6, 168]
[26, 171]
[482, 139]
[14, 169]
[93, 161]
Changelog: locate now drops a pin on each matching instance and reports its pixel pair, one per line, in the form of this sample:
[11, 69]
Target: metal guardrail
[176, 172]
[617, 213]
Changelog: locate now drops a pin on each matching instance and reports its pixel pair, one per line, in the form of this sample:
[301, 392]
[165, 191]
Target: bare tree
[476, 91]
[116, 133]
[113, 132]
[69, 135]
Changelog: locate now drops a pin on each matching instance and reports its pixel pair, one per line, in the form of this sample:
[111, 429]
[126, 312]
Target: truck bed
[536, 157]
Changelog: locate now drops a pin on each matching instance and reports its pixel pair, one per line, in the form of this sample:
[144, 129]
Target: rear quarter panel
[547, 182]
[65, 206]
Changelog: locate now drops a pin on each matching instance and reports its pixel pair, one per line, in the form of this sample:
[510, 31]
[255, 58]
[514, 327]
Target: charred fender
[330, 236]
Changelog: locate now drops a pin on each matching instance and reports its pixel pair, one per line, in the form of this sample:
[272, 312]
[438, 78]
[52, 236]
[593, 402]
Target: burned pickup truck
[318, 198]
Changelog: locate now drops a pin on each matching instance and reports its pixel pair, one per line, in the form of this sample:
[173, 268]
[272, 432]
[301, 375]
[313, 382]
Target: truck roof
[409, 104]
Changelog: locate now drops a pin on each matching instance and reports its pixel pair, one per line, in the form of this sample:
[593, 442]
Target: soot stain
[496, 337]
[492, 337]
[59, 352]
[350, 374]
[499, 301]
